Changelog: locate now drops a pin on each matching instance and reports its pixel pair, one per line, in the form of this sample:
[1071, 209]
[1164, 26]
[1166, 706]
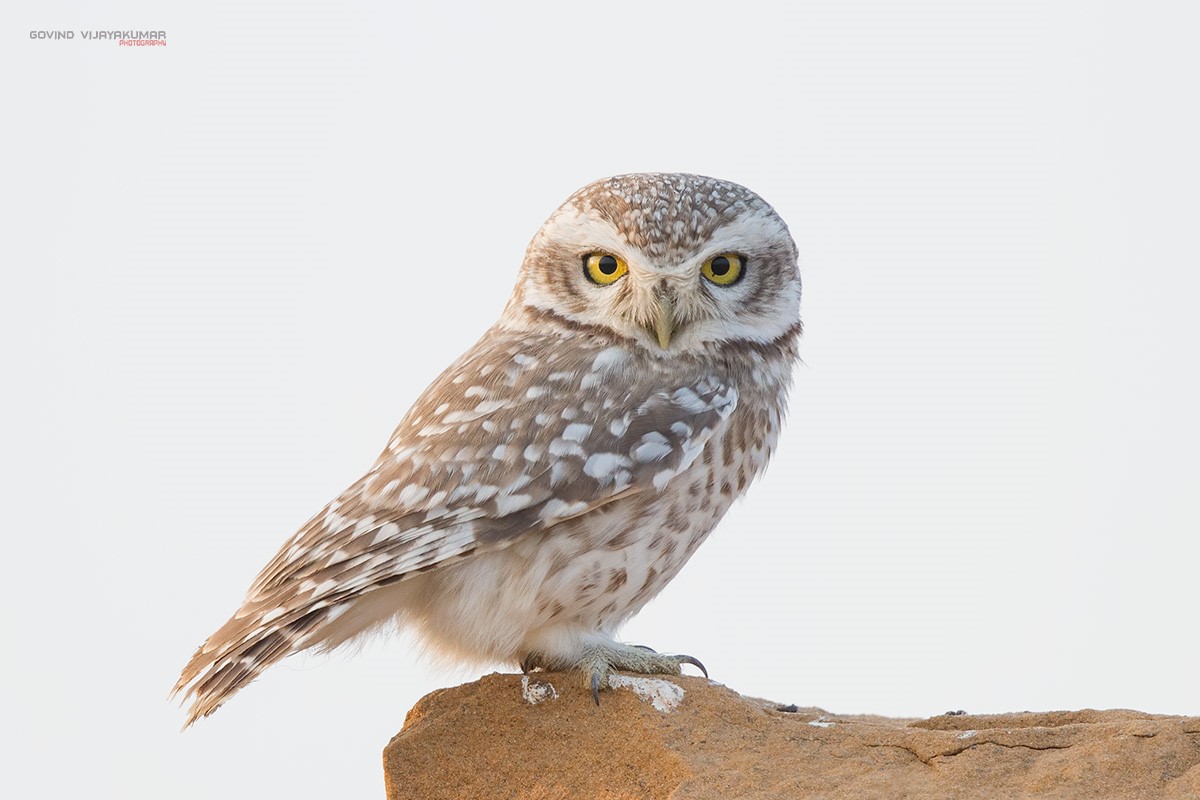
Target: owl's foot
[600, 661]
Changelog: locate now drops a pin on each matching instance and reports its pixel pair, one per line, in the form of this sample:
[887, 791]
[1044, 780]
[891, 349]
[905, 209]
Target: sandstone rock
[505, 736]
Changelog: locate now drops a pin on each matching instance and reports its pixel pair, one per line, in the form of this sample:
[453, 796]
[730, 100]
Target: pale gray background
[229, 265]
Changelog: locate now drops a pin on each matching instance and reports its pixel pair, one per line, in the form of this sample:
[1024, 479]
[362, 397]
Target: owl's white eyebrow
[585, 230]
[748, 232]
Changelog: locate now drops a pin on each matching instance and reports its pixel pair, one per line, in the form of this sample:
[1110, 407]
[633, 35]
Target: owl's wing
[517, 435]
[456, 481]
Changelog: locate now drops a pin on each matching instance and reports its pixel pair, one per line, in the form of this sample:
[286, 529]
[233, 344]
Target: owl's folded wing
[414, 513]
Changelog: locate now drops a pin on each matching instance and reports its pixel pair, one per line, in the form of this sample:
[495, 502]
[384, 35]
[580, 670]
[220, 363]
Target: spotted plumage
[557, 475]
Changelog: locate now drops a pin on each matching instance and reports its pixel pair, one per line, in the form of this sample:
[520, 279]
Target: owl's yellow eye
[603, 268]
[723, 270]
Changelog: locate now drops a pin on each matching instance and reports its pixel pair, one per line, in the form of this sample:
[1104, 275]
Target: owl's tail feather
[239, 652]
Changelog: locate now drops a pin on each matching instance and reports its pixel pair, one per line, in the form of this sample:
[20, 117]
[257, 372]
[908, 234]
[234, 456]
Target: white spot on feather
[558, 474]
[577, 431]
[618, 426]
[520, 482]
[485, 493]
[385, 532]
[662, 478]
[608, 358]
[560, 508]
[561, 447]
[488, 406]
[652, 450]
[508, 503]
[336, 611]
[412, 494]
[602, 466]
[689, 401]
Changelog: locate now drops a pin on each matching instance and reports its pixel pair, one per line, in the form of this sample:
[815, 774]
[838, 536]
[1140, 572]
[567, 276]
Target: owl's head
[671, 262]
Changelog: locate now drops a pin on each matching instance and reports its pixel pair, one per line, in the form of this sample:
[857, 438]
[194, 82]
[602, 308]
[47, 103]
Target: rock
[541, 738]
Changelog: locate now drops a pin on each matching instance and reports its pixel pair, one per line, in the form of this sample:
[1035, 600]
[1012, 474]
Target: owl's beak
[664, 320]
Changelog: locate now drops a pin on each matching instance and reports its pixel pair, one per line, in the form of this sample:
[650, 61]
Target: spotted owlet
[558, 474]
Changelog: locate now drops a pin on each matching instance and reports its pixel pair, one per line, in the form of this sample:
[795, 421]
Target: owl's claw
[603, 662]
[695, 662]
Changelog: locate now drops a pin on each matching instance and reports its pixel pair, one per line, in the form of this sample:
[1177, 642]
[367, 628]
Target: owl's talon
[644, 647]
[596, 687]
[695, 662]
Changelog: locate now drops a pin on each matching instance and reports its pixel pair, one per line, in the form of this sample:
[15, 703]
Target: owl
[556, 476]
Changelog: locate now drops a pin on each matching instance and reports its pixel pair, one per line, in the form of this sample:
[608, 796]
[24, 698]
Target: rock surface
[505, 736]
